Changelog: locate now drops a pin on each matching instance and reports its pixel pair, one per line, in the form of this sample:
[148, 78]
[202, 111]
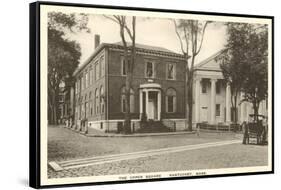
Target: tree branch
[203, 33]
[178, 35]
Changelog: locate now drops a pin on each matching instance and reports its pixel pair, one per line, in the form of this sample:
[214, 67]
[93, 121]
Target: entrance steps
[152, 126]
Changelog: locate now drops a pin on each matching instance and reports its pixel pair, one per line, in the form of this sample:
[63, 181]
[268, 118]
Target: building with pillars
[212, 96]
[157, 89]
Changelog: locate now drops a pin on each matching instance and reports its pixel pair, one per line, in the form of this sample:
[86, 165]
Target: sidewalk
[96, 133]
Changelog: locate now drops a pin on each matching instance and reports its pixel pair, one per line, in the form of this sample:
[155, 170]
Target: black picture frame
[35, 96]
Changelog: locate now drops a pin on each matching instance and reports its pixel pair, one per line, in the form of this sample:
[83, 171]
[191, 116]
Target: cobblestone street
[64, 144]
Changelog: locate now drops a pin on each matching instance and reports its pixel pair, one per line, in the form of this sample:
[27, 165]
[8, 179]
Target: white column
[197, 100]
[261, 108]
[242, 109]
[141, 103]
[213, 101]
[146, 102]
[228, 104]
[159, 104]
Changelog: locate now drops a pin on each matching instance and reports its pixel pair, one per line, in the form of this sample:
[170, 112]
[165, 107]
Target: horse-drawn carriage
[255, 129]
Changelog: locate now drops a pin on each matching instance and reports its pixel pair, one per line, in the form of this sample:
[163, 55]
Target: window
[82, 83]
[171, 100]
[90, 95]
[86, 80]
[123, 104]
[79, 111]
[79, 85]
[204, 87]
[171, 71]
[90, 77]
[218, 87]
[86, 110]
[97, 68]
[97, 101]
[76, 87]
[149, 69]
[60, 98]
[90, 108]
[124, 66]
[82, 111]
[93, 106]
[93, 75]
[76, 112]
[123, 100]
[102, 66]
[218, 109]
[101, 99]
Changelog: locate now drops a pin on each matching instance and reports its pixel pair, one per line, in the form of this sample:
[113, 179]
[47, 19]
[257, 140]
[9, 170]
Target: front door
[152, 106]
[204, 114]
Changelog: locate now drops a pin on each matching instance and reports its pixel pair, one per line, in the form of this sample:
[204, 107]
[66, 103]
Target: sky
[149, 31]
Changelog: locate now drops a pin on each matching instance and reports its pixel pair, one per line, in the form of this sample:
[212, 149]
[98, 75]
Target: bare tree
[191, 35]
[129, 58]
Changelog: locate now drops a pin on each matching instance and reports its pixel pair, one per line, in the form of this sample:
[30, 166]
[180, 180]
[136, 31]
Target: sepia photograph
[132, 95]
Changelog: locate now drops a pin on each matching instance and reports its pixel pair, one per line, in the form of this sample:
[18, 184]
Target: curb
[131, 135]
[140, 135]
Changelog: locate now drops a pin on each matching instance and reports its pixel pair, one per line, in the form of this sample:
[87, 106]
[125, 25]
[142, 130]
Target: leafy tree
[129, 57]
[234, 68]
[255, 87]
[244, 63]
[63, 55]
[191, 35]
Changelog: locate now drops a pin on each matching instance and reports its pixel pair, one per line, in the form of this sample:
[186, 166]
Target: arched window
[90, 104]
[123, 100]
[171, 100]
[102, 99]
[97, 101]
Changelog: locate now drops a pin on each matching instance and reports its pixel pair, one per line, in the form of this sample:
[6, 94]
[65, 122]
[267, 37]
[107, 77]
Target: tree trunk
[189, 99]
[127, 123]
[190, 103]
[256, 110]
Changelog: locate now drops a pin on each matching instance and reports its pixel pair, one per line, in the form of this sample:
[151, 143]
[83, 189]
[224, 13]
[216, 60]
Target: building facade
[212, 96]
[157, 88]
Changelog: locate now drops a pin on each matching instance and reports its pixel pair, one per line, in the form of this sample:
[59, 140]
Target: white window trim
[174, 71]
[153, 69]
[122, 66]
[102, 65]
[97, 66]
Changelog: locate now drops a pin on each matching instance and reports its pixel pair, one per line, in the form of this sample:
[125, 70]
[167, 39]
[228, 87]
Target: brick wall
[117, 81]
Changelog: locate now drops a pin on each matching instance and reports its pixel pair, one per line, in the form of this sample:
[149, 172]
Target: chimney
[97, 40]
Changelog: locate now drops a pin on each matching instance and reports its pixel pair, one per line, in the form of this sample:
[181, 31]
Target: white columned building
[212, 96]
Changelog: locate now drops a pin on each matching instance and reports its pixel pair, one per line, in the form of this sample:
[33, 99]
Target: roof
[204, 64]
[143, 46]
[140, 48]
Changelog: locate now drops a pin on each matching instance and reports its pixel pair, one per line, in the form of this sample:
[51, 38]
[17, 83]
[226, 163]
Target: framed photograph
[122, 94]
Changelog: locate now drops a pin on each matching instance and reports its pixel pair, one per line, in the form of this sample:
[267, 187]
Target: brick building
[157, 88]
